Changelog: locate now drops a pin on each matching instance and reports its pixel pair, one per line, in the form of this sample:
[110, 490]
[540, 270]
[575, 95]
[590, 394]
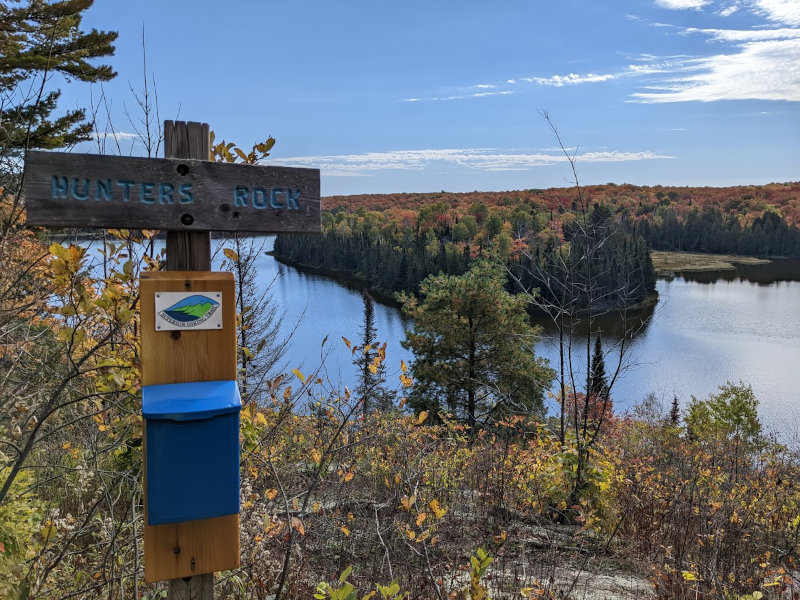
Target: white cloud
[751, 35]
[117, 135]
[760, 70]
[460, 96]
[756, 64]
[571, 79]
[729, 10]
[682, 4]
[480, 159]
[786, 12]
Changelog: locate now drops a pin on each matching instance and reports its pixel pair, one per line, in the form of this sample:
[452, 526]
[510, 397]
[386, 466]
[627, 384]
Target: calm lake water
[707, 329]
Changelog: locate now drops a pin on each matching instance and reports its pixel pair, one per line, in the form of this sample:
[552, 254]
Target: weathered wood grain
[187, 250]
[195, 588]
[87, 190]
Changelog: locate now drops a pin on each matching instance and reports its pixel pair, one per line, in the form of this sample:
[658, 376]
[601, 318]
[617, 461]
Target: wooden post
[189, 251]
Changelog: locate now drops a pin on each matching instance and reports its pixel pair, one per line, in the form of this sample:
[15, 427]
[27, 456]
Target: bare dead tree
[566, 280]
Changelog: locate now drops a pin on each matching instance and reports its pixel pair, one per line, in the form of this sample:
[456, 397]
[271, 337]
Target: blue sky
[434, 95]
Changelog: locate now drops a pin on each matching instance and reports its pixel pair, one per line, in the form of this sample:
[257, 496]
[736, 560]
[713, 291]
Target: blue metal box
[192, 450]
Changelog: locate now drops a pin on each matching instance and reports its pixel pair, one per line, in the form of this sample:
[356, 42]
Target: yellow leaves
[403, 366]
[297, 525]
[411, 534]
[344, 530]
[315, 508]
[231, 153]
[421, 417]
[299, 375]
[437, 510]
[48, 531]
[689, 576]
[372, 368]
[271, 493]
[408, 501]
[406, 381]
[348, 476]
[347, 342]
[316, 455]
[421, 518]
[66, 261]
[261, 419]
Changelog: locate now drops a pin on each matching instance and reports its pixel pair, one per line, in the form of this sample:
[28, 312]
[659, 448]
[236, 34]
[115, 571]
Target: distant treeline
[711, 230]
[542, 251]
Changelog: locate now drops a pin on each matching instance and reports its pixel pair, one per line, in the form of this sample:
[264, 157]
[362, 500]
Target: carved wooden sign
[89, 190]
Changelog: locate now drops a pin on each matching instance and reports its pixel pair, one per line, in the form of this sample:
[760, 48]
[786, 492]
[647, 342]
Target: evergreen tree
[674, 412]
[597, 384]
[39, 39]
[473, 347]
[371, 372]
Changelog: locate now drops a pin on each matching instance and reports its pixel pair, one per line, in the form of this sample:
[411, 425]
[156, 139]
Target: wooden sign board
[89, 190]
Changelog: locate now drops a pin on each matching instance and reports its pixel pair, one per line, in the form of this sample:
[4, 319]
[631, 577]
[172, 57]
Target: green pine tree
[473, 346]
[597, 385]
[40, 39]
[371, 375]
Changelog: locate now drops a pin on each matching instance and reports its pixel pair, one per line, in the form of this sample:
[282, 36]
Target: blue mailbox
[192, 450]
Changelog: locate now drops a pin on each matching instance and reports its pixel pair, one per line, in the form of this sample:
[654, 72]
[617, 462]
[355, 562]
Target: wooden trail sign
[189, 197]
[87, 190]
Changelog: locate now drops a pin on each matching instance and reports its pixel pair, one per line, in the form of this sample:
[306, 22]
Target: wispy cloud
[117, 135]
[766, 69]
[762, 63]
[784, 12]
[729, 10]
[572, 79]
[750, 35]
[462, 96]
[479, 159]
[682, 4]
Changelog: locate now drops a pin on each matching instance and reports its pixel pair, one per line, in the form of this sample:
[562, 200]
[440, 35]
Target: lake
[707, 329]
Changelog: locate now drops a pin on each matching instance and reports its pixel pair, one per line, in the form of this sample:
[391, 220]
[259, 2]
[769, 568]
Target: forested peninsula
[394, 241]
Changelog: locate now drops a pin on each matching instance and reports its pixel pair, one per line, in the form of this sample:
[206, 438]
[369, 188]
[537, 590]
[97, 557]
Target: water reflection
[707, 329]
[776, 271]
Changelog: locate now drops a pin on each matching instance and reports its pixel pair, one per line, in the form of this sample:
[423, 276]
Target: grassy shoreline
[670, 262]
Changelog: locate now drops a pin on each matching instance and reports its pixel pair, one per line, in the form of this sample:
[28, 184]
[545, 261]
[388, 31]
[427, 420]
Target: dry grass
[693, 261]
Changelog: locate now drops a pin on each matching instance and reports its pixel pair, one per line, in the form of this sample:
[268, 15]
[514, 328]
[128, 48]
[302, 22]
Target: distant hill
[748, 202]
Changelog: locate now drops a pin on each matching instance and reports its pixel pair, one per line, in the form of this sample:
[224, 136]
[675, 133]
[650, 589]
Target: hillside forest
[393, 241]
[444, 479]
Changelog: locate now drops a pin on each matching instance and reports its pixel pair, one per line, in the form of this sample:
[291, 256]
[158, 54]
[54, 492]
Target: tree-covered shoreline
[394, 256]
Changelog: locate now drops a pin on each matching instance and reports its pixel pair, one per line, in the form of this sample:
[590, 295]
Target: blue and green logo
[191, 311]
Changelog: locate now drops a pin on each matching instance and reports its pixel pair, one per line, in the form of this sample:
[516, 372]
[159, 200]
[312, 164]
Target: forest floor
[694, 261]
